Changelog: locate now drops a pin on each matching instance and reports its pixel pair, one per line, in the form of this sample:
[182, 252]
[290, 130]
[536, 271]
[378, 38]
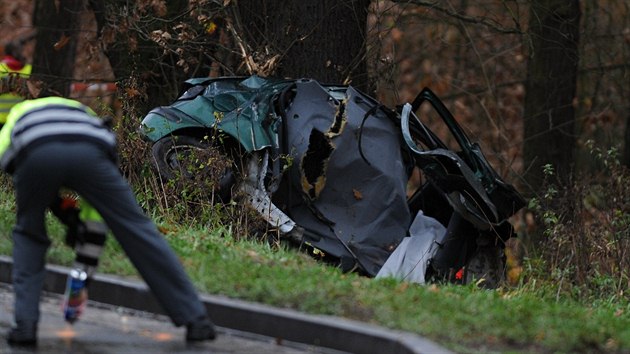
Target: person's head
[15, 50]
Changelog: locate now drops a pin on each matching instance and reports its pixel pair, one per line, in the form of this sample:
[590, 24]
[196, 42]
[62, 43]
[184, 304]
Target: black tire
[194, 161]
[486, 266]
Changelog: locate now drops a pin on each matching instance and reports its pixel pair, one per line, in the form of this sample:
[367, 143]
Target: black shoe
[202, 329]
[23, 335]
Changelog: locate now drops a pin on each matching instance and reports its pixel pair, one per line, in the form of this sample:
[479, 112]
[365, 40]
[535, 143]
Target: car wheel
[194, 162]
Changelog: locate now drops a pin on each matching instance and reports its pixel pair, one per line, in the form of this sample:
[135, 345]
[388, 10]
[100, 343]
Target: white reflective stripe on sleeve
[89, 250]
[54, 115]
[96, 227]
[51, 129]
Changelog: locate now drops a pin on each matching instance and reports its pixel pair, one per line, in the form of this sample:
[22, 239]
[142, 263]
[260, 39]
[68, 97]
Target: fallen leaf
[254, 256]
[402, 287]
[61, 42]
[434, 288]
[211, 27]
[34, 87]
[357, 194]
[132, 92]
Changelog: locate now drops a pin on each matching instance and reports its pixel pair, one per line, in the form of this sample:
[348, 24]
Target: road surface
[106, 329]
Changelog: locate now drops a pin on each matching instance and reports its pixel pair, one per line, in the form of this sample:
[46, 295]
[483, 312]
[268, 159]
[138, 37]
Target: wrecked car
[328, 166]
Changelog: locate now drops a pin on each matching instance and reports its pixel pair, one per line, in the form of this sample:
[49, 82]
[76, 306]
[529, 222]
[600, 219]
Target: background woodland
[542, 85]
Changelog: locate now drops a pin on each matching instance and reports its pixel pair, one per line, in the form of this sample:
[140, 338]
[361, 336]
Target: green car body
[240, 107]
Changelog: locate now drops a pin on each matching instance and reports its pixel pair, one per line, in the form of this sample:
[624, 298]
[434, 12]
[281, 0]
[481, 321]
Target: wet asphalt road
[105, 329]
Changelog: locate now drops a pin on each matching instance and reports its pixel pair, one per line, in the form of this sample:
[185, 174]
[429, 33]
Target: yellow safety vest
[93, 220]
[9, 99]
[32, 121]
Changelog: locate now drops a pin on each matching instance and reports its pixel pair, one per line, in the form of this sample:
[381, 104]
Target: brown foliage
[586, 241]
[473, 55]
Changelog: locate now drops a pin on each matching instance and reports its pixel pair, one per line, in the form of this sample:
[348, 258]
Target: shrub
[585, 245]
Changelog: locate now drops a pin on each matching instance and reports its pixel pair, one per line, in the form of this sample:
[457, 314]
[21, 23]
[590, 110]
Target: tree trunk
[324, 40]
[549, 136]
[57, 24]
[152, 47]
[148, 66]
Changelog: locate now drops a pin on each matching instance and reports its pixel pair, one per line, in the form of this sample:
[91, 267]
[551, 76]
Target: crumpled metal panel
[346, 184]
[239, 107]
[351, 206]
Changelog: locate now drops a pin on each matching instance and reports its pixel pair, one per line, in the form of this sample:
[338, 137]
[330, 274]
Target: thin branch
[433, 5]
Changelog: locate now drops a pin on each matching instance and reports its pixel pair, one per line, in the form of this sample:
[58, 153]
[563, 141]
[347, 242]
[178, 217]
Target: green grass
[527, 318]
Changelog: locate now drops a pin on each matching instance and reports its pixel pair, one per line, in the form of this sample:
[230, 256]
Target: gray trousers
[85, 168]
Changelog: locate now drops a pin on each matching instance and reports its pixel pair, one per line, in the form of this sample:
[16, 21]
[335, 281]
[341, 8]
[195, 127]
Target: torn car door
[347, 183]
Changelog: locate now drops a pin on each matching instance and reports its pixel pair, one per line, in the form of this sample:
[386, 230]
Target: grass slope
[464, 318]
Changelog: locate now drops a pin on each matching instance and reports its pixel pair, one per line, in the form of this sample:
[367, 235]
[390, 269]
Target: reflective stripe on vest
[8, 100]
[58, 122]
[33, 120]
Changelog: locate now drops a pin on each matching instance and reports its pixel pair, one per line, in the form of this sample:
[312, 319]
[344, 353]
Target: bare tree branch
[494, 25]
